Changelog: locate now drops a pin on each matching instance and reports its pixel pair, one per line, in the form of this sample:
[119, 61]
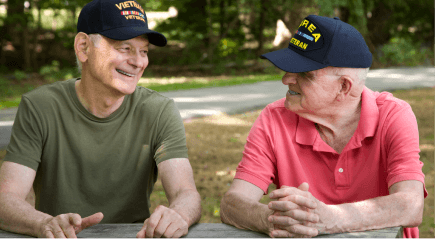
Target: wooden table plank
[202, 230]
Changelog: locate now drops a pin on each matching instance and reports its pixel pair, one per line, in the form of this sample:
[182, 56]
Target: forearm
[17, 215]
[398, 209]
[245, 213]
[188, 204]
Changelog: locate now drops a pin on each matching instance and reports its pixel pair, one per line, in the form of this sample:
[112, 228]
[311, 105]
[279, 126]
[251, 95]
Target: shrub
[404, 52]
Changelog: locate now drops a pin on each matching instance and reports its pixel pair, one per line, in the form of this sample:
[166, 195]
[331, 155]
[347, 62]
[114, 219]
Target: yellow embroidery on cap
[298, 43]
[304, 23]
[316, 36]
[311, 28]
[128, 4]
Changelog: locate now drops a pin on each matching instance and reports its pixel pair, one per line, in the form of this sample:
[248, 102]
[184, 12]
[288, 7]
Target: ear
[81, 46]
[346, 85]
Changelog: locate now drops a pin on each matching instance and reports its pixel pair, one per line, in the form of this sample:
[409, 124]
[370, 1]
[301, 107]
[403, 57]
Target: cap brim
[290, 61]
[125, 33]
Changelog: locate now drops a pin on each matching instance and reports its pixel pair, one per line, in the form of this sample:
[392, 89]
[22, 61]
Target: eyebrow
[128, 43]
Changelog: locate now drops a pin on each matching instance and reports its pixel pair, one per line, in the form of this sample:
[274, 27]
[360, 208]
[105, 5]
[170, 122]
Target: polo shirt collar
[369, 117]
[306, 132]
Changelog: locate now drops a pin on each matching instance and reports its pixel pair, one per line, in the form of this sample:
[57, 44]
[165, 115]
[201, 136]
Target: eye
[124, 49]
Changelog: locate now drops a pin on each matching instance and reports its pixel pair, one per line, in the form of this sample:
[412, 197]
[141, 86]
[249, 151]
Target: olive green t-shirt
[85, 164]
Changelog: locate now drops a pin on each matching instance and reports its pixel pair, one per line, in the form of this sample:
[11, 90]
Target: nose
[137, 60]
[289, 78]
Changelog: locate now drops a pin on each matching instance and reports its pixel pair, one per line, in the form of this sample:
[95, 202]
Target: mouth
[125, 73]
[293, 93]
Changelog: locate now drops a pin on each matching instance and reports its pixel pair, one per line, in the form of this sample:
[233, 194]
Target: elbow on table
[223, 208]
[415, 213]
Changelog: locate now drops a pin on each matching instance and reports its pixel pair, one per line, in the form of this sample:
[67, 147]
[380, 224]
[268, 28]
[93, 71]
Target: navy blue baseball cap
[320, 42]
[117, 20]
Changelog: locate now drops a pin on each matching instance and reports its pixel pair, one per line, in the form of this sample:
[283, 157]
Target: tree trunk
[433, 34]
[210, 32]
[35, 39]
[26, 48]
[222, 19]
[14, 25]
[261, 27]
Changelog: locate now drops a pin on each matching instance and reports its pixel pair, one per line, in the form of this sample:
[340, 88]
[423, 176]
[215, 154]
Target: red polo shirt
[285, 149]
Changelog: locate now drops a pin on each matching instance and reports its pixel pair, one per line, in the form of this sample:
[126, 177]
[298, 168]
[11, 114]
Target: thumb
[92, 220]
[304, 186]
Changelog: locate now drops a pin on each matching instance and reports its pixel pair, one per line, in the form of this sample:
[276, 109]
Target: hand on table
[294, 214]
[164, 222]
[67, 225]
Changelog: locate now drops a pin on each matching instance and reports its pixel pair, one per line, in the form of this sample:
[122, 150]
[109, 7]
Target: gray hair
[96, 39]
[358, 74]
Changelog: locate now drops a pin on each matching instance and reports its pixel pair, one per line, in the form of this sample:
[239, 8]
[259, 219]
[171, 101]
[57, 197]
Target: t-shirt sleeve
[258, 161]
[25, 146]
[171, 139]
[402, 145]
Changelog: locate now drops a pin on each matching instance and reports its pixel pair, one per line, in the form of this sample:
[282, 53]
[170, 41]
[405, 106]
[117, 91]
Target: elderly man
[92, 147]
[344, 158]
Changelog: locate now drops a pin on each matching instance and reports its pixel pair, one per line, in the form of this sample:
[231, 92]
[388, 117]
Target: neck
[97, 99]
[338, 128]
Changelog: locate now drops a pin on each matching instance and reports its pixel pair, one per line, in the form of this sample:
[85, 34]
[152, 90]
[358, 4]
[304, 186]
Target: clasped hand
[294, 214]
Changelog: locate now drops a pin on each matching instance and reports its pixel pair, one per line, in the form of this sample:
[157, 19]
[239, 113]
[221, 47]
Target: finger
[287, 191]
[69, 231]
[301, 230]
[292, 203]
[283, 206]
[48, 234]
[163, 224]
[299, 200]
[180, 232]
[295, 231]
[75, 219]
[170, 230]
[304, 186]
[141, 233]
[91, 220]
[153, 221]
[302, 216]
[280, 221]
[63, 225]
[58, 232]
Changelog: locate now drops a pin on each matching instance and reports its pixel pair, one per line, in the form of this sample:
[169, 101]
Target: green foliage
[404, 52]
[20, 75]
[53, 73]
[228, 47]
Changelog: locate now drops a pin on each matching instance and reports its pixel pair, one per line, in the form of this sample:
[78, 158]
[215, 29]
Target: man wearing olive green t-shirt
[92, 147]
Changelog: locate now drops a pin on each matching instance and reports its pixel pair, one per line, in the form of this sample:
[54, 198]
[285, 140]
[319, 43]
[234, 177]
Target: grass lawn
[216, 144]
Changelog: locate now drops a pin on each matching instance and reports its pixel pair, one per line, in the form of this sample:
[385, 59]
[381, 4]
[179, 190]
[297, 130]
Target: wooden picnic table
[203, 230]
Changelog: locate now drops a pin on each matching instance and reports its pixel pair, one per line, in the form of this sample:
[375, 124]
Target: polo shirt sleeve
[402, 146]
[25, 146]
[258, 161]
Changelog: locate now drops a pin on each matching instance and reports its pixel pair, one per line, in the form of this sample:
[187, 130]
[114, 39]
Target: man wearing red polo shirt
[344, 158]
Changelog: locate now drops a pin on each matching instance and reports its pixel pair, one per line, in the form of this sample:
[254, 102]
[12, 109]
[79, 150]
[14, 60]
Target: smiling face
[312, 93]
[117, 65]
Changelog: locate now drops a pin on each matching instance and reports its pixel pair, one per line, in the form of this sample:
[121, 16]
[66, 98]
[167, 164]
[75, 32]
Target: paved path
[241, 98]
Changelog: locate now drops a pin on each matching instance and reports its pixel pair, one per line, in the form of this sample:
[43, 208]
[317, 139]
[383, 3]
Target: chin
[125, 88]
